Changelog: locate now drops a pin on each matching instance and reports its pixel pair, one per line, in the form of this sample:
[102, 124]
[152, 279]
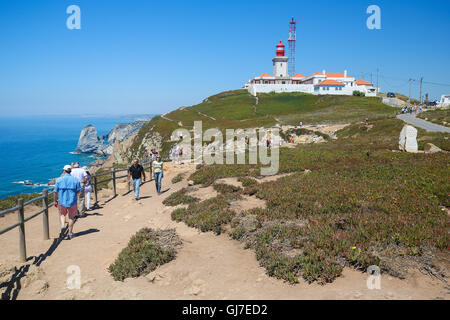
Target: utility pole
[377, 81]
[421, 81]
[371, 77]
[409, 99]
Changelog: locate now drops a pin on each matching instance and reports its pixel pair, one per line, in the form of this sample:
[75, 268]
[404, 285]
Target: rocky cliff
[90, 142]
[123, 131]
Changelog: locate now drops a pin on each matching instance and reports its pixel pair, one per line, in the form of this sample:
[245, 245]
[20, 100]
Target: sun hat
[67, 168]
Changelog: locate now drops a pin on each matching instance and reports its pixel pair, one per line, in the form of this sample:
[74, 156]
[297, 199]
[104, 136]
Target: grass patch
[145, 251]
[247, 181]
[179, 197]
[177, 178]
[437, 116]
[208, 215]
[226, 188]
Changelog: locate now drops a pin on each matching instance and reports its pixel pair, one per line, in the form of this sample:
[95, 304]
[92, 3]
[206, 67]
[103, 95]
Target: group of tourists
[72, 192]
[136, 173]
[412, 109]
[176, 154]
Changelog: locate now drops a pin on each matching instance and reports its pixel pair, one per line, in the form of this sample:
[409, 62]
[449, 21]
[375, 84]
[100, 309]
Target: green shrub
[358, 93]
[144, 253]
[208, 215]
[179, 197]
[226, 188]
[177, 178]
[247, 181]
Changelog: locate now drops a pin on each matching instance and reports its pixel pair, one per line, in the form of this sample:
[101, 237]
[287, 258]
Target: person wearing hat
[82, 177]
[66, 192]
[87, 189]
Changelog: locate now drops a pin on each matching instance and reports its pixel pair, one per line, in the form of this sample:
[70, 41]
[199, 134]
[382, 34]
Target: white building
[445, 101]
[317, 83]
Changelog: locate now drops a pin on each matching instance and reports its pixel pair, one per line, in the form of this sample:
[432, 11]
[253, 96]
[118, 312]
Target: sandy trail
[206, 267]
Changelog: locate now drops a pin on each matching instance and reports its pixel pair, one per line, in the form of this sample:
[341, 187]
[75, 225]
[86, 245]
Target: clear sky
[144, 56]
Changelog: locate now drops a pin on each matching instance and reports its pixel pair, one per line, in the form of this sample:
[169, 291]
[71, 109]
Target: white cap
[67, 168]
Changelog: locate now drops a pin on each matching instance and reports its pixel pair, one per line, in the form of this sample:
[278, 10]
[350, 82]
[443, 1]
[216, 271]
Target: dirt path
[207, 266]
[205, 115]
[164, 117]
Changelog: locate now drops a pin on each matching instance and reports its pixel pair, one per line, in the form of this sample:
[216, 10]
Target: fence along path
[20, 207]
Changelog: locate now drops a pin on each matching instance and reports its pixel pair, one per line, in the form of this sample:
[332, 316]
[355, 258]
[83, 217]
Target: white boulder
[408, 139]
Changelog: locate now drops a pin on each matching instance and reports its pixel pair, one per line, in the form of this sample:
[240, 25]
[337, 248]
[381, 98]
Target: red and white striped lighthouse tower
[280, 62]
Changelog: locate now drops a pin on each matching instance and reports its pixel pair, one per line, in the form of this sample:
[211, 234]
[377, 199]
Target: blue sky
[143, 56]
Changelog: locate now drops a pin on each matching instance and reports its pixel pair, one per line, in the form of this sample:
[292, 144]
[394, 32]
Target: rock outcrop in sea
[90, 142]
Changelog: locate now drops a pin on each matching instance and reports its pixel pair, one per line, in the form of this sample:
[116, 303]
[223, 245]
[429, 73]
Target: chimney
[324, 73]
[345, 74]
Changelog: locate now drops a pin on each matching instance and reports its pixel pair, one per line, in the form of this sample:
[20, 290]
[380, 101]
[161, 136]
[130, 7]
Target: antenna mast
[292, 44]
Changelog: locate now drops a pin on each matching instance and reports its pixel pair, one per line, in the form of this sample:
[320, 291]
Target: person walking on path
[87, 189]
[81, 175]
[66, 191]
[134, 173]
[158, 173]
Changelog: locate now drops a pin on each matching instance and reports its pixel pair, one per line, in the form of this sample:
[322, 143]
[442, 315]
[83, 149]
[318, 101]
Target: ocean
[36, 148]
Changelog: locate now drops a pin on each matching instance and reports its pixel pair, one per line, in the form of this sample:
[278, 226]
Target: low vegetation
[236, 109]
[179, 197]
[178, 178]
[208, 215]
[11, 201]
[358, 204]
[247, 181]
[145, 251]
[226, 188]
[438, 116]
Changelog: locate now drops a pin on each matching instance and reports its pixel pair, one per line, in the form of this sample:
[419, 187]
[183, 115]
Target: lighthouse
[280, 62]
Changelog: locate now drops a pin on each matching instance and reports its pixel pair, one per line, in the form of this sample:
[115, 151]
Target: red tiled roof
[337, 75]
[330, 83]
[331, 74]
[363, 83]
[298, 75]
[264, 75]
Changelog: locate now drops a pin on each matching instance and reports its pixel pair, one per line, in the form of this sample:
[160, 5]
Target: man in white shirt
[82, 177]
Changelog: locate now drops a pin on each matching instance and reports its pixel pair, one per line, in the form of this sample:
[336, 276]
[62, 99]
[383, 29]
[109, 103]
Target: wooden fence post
[45, 215]
[114, 181]
[150, 171]
[95, 190]
[22, 245]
